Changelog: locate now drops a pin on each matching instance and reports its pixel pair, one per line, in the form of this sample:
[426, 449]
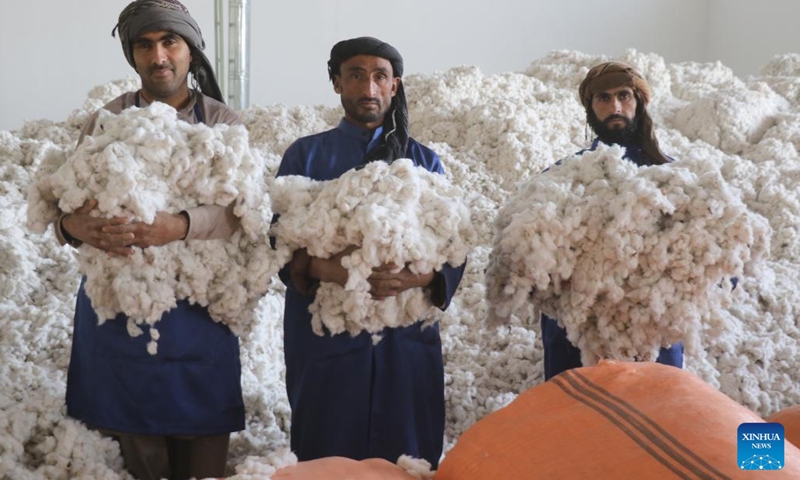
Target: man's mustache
[163, 66]
[616, 116]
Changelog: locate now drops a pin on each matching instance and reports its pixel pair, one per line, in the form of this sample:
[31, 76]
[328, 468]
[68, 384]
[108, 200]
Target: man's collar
[358, 132]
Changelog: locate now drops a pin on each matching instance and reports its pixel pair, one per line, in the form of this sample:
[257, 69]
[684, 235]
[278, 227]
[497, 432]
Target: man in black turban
[350, 397]
[368, 108]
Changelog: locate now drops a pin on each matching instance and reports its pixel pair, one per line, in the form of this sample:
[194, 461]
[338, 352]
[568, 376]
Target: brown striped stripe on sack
[611, 421]
[649, 435]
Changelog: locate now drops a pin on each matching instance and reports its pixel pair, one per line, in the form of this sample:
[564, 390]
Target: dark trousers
[152, 457]
[560, 355]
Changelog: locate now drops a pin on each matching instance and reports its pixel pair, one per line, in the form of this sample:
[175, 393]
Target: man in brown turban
[615, 96]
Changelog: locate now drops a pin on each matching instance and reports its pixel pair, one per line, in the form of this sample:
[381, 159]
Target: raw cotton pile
[491, 131]
[395, 214]
[147, 161]
[628, 259]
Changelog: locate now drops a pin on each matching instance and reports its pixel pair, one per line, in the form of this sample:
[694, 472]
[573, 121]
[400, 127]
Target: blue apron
[191, 386]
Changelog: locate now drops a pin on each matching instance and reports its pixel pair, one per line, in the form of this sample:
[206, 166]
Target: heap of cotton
[37, 441]
[731, 119]
[751, 352]
[147, 161]
[395, 214]
[628, 259]
[782, 74]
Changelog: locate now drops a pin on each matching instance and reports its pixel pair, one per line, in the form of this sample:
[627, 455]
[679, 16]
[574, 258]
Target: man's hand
[165, 228]
[330, 269]
[388, 281]
[298, 272]
[92, 231]
[117, 235]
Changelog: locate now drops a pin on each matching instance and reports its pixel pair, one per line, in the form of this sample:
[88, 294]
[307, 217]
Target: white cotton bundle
[143, 161]
[628, 259]
[395, 214]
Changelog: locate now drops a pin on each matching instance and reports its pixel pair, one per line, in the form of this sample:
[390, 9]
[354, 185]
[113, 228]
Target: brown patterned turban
[609, 75]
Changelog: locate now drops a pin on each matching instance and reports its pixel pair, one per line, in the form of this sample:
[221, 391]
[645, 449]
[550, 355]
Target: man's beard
[621, 136]
[363, 115]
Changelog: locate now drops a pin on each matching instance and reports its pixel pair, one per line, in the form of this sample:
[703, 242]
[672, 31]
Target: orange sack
[616, 420]
[790, 419]
[340, 468]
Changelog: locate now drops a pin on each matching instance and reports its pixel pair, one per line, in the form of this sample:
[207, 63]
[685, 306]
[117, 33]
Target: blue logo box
[760, 446]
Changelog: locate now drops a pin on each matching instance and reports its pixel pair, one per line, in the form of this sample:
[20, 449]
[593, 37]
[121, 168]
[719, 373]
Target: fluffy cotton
[628, 259]
[262, 468]
[145, 161]
[416, 467]
[751, 353]
[394, 213]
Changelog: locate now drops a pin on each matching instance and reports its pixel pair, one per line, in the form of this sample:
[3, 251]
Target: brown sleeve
[208, 222]
[230, 117]
[88, 129]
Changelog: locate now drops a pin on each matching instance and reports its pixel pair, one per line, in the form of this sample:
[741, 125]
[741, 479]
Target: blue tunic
[561, 355]
[192, 386]
[349, 397]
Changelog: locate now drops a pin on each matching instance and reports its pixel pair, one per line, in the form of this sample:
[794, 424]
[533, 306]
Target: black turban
[395, 123]
[143, 16]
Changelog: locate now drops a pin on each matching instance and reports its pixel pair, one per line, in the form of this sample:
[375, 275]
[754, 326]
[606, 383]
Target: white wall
[745, 34]
[53, 51]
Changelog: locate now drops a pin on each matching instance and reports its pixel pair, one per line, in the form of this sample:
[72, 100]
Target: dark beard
[352, 108]
[620, 136]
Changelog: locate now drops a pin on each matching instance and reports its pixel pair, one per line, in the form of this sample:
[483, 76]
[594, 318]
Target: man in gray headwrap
[172, 412]
[145, 16]
[349, 396]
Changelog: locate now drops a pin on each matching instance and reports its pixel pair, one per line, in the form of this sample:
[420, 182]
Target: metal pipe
[239, 54]
[219, 45]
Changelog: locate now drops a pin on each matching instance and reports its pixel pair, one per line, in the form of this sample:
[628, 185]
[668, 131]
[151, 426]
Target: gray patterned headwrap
[143, 16]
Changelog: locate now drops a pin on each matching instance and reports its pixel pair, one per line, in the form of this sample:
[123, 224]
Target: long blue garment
[559, 354]
[349, 397]
[192, 386]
